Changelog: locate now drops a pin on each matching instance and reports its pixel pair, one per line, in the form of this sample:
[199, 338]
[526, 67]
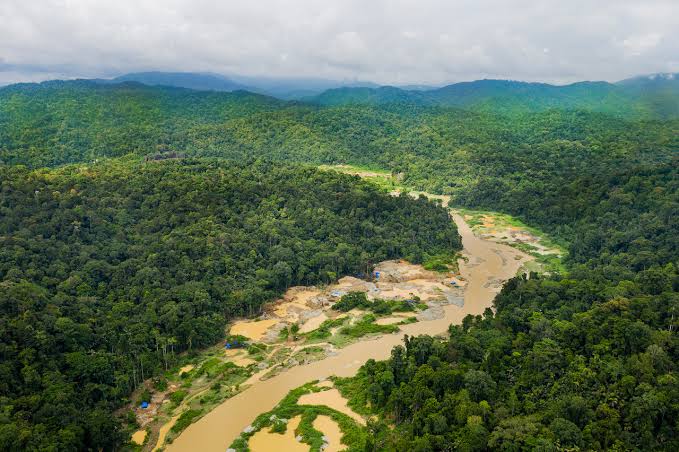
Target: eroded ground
[299, 329]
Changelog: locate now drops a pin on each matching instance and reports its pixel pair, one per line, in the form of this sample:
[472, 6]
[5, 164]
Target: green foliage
[367, 326]
[160, 384]
[359, 300]
[108, 271]
[186, 419]
[323, 331]
[443, 263]
[177, 396]
[580, 360]
[145, 396]
[355, 437]
[351, 301]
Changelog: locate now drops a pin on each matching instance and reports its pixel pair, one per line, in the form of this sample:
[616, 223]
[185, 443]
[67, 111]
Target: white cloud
[388, 41]
[637, 45]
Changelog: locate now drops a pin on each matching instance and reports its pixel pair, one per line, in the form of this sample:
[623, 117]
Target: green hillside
[109, 271]
[62, 122]
[209, 215]
[650, 99]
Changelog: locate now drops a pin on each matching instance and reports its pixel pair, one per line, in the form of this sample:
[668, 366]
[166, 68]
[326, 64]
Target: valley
[177, 273]
[484, 266]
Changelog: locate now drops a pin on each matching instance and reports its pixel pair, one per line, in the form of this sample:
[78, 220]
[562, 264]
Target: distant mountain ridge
[654, 96]
[197, 81]
[649, 96]
[282, 88]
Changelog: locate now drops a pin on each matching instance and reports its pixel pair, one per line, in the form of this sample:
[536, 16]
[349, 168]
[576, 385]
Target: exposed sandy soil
[139, 436]
[186, 369]
[239, 357]
[313, 323]
[331, 433]
[253, 329]
[389, 320]
[497, 230]
[486, 266]
[332, 399]
[164, 430]
[309, 307]
[266, 441]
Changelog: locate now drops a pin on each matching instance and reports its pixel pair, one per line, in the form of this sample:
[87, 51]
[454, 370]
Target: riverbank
[307, 324]
[486, 265]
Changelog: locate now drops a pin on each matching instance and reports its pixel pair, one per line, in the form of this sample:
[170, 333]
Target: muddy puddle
[332, 399]
[488, 264]
[267, 441]
[332, 434]
[253, 330]
[139, 436]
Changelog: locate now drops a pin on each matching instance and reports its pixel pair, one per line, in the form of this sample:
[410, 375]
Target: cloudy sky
[396, 42]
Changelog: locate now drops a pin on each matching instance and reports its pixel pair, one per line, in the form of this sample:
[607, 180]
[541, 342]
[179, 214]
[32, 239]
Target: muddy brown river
[488, 265]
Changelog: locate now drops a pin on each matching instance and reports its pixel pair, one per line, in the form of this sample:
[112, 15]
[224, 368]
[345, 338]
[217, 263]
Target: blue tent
[144, 405]
[235, 344]
[377, 275]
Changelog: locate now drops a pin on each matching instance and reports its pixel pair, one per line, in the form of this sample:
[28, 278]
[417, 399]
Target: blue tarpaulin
[234, 344]
[144, 405]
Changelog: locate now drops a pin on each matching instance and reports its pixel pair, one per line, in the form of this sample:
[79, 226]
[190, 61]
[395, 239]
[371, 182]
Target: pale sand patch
[356, 315]
[330, 429]
[296, 299]
[458, 281]
[139, 436]
[405, 314]
[325, 384]
[488, 221]
[238, 357]
[164, 430]
[351, 284]
[313, 323]
[332, 399]
[401, 271]
[186, 369]
[425, 289]
[266, 441]
[289, 309]
[389, 320]
[254, 330]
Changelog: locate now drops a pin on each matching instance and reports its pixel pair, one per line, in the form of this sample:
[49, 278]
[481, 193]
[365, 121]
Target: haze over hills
[639, 97]
[650, 96]
[191, 80]
[280, 87]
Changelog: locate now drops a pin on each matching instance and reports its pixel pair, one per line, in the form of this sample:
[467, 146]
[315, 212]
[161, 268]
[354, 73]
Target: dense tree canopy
[108, 270]
[585, 360]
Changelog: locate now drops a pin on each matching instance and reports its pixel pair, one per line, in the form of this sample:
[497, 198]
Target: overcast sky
[395, 42]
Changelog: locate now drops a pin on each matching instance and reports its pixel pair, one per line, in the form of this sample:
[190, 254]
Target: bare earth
[488, 264]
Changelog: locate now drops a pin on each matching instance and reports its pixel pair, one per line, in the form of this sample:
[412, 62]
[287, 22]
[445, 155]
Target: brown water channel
[488, 265]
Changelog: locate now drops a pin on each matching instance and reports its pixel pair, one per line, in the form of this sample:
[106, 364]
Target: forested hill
[58, 122]
[582, 361]
[109, 270]
[64, 122]
[640, 98]
[124, 254]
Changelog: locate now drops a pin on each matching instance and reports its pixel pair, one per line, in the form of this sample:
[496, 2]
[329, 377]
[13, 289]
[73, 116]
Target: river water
[488, 265]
